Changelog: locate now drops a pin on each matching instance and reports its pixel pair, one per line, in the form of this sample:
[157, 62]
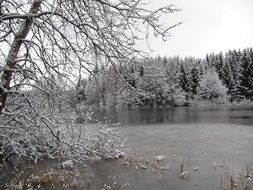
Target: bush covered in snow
[211, 89]
[34, 131]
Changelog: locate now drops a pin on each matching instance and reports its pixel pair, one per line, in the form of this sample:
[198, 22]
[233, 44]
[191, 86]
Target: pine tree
[218, 63]
[228, 80]
[195, 79]
[233, 64]
[246, 77]
[184, 82]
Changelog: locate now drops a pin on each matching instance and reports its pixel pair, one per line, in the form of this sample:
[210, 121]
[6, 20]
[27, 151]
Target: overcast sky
[209, 26]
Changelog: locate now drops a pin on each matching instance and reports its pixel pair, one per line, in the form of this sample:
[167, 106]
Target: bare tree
[44, 39]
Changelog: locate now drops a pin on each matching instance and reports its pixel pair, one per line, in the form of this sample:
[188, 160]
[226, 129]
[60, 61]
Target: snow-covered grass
[161, 169]
[241, 181]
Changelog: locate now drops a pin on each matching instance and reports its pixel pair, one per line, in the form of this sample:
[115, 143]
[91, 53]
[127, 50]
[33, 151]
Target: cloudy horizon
[209, 26]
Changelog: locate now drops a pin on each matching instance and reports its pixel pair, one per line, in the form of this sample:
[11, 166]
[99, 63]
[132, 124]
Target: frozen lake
[201, 137]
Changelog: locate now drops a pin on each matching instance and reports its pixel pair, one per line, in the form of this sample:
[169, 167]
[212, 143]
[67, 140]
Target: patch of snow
[68, 164]
[160, 158]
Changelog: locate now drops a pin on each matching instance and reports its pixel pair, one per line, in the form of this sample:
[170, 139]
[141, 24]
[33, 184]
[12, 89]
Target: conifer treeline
[173, 81]
[235, 70]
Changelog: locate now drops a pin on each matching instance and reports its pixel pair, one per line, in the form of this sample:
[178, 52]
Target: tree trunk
[13, 53]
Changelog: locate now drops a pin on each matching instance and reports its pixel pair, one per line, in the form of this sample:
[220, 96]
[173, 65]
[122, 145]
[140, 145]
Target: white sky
[209, 26]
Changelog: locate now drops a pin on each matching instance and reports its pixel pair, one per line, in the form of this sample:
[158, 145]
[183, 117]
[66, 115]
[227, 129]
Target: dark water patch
[215, 114]
[241, 117]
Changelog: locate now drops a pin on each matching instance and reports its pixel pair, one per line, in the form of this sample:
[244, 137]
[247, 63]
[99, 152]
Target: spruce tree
[195, 78]
[246, 77]
[184, 82]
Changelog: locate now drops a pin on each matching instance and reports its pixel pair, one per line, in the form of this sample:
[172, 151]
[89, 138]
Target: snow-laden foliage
[211, 88]
[39, 132]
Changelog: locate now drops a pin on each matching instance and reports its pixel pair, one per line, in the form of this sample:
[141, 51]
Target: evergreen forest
[171, 81]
